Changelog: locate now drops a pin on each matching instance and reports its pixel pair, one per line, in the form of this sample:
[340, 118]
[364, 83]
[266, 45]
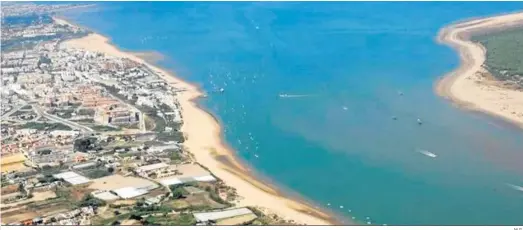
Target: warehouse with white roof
[130, 192]
[104, 195]
[187, 173]
[72, 178]
[214, 216]
[183, 180]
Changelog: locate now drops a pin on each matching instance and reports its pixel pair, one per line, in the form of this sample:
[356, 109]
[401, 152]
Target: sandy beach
[471, 86]
[204, 140]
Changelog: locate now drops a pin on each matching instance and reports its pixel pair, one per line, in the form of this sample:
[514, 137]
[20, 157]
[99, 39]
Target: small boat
[283, 95]
[400, 93]
[222, 90]
[345, 108]
[255, 155]
[419, 121]
[427, 153]
[341, 206]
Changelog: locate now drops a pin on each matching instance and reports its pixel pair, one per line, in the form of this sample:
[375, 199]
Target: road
[39, 111]
[6, 115]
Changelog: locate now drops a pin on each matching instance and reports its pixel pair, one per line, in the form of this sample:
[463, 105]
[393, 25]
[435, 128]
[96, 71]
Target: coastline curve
[205, 136]
[467, 87]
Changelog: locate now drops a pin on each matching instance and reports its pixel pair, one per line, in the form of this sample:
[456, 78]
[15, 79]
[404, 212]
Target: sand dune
[471, 86]
[205, 142]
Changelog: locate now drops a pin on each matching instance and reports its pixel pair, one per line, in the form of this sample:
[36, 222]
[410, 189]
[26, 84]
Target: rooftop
[72, 178]
[153, 167]
[105, 195]
[182, 180]
[129, 192]
[206, 216]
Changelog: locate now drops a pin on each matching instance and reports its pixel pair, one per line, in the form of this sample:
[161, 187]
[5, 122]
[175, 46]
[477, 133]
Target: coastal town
[93, 139]
[231, 121]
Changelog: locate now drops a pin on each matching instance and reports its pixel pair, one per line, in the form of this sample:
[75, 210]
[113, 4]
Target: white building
[104, 195]
[72, 178]
[130, 192]
[64, 133]
[148, 168]
[68, 76]
[207, 216]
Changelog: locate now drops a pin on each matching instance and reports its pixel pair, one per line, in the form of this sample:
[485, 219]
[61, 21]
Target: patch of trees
[213, 194]
[178, 191]
[90, 200]
[98, 173]
[86, 144]
[47, 179]
[181, 219]
[43, 60]
[176, 156]
[503, 56]
[47, 170]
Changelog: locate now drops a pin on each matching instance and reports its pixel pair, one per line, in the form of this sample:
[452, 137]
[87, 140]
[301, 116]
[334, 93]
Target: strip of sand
[205, 142]
[471, 86]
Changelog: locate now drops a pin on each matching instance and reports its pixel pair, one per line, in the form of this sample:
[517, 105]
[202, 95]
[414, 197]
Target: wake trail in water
[515, 187]
[296, 95]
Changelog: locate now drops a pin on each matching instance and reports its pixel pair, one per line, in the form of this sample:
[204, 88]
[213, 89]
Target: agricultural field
[504, 55]
[46, 203]
[170, 220]
[200, 202]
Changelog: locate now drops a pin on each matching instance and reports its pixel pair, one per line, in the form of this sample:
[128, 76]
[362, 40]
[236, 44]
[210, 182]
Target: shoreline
[467, 87]
[205, 141]
[238, 167]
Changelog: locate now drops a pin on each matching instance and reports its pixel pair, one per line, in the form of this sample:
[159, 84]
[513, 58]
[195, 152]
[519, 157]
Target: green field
[171, 220]
[504, 54]
[45, 126]
[103, 128]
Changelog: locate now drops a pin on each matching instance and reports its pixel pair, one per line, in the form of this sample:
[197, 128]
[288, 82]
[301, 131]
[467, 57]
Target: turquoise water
[337, 143]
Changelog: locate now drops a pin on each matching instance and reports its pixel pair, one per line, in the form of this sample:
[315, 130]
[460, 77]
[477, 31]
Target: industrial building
[130, 192]
[204, 217]
[116, 114]
[72, 178]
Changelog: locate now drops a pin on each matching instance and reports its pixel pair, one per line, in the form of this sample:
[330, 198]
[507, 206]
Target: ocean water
[336, 142]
